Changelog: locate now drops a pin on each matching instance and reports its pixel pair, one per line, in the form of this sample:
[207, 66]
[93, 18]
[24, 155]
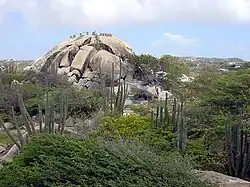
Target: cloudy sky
[214, 28]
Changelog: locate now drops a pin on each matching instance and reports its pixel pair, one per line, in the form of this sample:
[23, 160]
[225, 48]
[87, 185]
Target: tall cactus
[112, 91]
[174, 116]
[47, 108]
[114, 103]
[40, 118]
[181, 128]
[65, 111]
[157, 116]
[29, 125]
[238, 147]
[9, 134]
[178, 123]
[162, 114]
[166, 116]
[19, 133]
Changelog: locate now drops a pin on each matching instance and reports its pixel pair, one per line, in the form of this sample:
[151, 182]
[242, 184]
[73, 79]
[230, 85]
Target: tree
[174, 70]
[228, 91]
[144, 64]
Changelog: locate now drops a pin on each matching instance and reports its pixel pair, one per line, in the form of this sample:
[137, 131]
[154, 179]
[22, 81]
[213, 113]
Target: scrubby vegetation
[136, 128]
[65, 161]
[203, 125]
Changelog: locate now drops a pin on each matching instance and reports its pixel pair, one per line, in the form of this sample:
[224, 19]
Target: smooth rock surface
[82, 58]
[221, 179]
[85, 53]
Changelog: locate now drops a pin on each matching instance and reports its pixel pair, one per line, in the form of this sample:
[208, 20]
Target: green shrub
[142, 110]
[64, 161]
[137, 128]
[32, 95]
[205, 158]
[80, 103]
[7, 78]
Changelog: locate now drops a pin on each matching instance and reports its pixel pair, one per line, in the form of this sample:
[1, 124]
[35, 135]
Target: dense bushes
[216, 96]
[64, 161]
[136, 128]
[80, 103]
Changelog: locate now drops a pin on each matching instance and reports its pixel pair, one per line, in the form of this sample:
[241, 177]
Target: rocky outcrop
[222, 180]
[104, 60]
[82, 58]
[78, 56]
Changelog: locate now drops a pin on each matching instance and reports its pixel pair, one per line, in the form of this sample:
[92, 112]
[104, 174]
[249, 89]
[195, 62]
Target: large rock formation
[80, 58]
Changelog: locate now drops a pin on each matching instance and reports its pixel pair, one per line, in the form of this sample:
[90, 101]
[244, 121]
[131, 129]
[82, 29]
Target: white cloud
[179, 38]
[82, 13]
[176, 39]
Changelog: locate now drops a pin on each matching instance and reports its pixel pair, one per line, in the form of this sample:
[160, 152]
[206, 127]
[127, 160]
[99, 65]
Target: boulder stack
[80, 58]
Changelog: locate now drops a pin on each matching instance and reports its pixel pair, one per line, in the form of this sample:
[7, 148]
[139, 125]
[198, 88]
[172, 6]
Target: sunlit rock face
[80, 58]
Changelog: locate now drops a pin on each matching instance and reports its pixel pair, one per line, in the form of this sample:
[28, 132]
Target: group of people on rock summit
[93, 33]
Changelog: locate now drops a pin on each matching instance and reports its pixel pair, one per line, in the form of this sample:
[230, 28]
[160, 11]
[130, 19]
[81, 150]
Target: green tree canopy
[174, 70]
[143, 64]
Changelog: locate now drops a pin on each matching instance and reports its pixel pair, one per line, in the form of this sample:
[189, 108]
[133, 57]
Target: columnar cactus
[114, 103]
[30, 124]
[178, 124]
[238, 147]
[162, 114]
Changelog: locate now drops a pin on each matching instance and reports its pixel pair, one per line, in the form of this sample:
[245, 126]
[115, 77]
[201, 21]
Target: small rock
[72, 79]
[63, 70]
[79, 121]
[69, 122]
[128, 102]
[82, 82]
[153, 90]
[8, 125]
[88, 74]
[77, 73]
[70, 74]
[92, 85]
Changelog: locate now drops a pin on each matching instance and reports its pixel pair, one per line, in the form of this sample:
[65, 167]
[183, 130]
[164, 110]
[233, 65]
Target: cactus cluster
[163, 121]
[162, 115]
[45, 125]
[238, 147]
[113, 103]
[49, 124]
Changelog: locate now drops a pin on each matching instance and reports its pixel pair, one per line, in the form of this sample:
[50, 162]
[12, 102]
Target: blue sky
[216, 28]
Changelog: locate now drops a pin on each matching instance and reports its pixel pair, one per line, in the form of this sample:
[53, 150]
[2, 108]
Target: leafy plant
[136, 128]
[65, 161]
[143, 65]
